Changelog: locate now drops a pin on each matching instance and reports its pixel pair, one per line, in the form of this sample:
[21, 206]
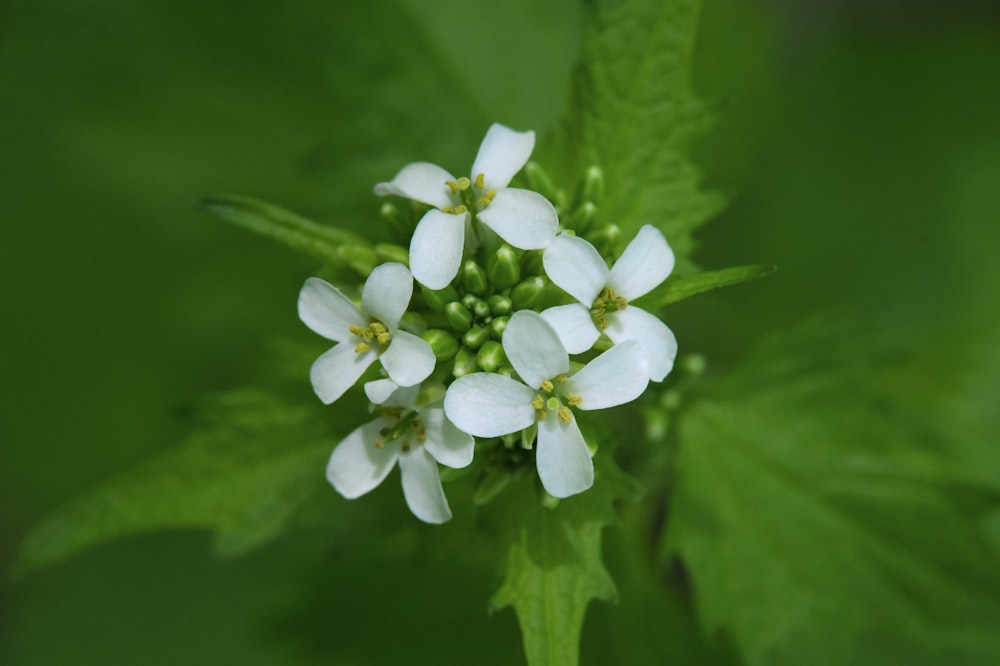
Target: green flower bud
[593, 185]
[361, 258]
[443, 343]
[392, 252]
[470, 300]
[605, 239]
[474, 278]
[506, 371]
[490, 356]
[465, 362]
[582, 217]
[503, 268]
[531, 263]
[438, 299]
[458, 316]
[499, 305]
[400, 222]
[475, 337]
[527, 292]
[497, 327]
[538, 180]
[481, 309]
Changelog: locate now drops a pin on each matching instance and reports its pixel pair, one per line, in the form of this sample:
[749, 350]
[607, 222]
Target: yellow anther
[421, 436]
[448, 209]
[463, 183]
[538, 402]
[383, 338]
[541, 414]
[490, 194]
[621, 302]
[481, 181]
[379, 443]
[368, 334]
[383, 432]
[560, 379]
[547, 386]
[574, 400]
[406, 446]
[564, 415]
[599, 303]
[378, 327]
[459, 210]
[453, 186]
[602, 323]
[483, 202]
[416, 423]
[553, 403]
[356, 330]
[362, 347]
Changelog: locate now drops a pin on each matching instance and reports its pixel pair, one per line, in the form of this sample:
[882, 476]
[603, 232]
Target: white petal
[501, 155]
[617, 376]
[575, 266]
[388, 393]
[422, 181]
[327, 311]
[523, 218]
[409, 360]
[387, 293]
[357, 465]
[422, 486]
[337, 370]
[658, 342]
[489, 405]
[449, 445]
[564, 463]
[645, 263]
[574, 325]
[533, 348]
[436, 248]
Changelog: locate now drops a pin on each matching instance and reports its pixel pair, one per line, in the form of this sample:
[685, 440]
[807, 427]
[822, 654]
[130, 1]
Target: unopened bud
[458, 316]
[481, 309]
[583, 217]
[499, 305]
[437, 299]
[392, 252]
[400, 221]
[538, 180]
[490, 356]
[465, 362]
[497, 327]
[593, 185]
[443, 344]
[504, 268]
[474, 278]
[606, 239]
[492, 483]
[527, 292]
[475, 337]
[531, 263]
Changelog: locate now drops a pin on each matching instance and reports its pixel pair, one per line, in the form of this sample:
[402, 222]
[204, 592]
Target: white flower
[364, 334]
[575, 265]
[418, 439]
[523, 218]
[491, 405]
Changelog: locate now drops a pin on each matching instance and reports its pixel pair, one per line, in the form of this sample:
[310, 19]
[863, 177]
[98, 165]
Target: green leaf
[677, 288]
[825, 521]
[634, 114]
[341, 249]
[243, 473]
[554, 566]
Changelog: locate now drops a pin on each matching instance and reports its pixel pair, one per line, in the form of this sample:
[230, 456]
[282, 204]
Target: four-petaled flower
[364, 334]
[491, 405]
[523, 218]
[418, 438]
[575, 265]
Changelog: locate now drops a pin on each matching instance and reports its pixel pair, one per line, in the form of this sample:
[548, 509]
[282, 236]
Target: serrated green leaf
[554, 566]
[634, 114]
[243, 473]
[808, 498]
[677, 288]
[331, 245]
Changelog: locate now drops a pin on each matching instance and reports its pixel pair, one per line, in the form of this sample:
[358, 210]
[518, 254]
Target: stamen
[621, 302]
[362, 347]
[565, 415]
[416, 423]
[459, 210]
[541, 414]
[448, 209]
[421, 436]
[538, 403]
[453, 186]
[383, 338]
[560, 379]
[574, 400]
[379, 443]
[481, 181]
[356, 330]
[547, 386]
[406, 446]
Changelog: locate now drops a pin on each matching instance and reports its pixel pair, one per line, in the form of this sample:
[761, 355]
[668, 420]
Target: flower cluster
[518, 326]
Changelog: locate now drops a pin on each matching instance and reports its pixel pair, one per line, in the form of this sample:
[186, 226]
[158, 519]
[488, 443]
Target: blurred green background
[860, 148]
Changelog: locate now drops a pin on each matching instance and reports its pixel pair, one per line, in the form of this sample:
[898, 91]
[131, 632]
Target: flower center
[550, 399]
[408, 424]
[374, 333]
[606, 302]
[473, 195]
